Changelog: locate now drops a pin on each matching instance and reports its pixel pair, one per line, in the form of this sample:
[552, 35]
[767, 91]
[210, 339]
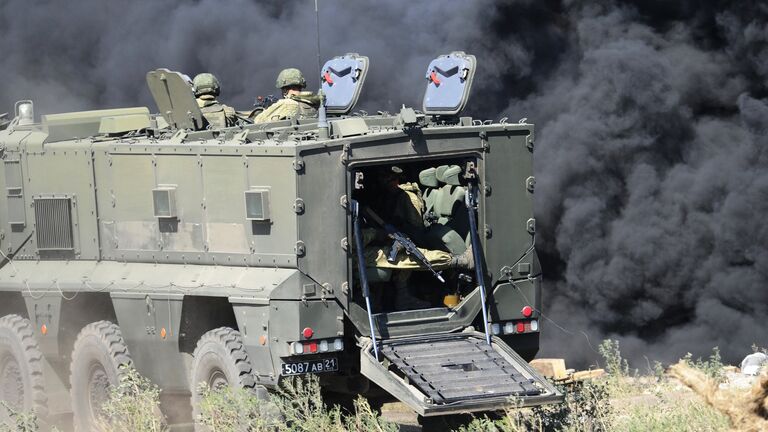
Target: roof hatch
[175, 99]
[449, 80]
[342, 80]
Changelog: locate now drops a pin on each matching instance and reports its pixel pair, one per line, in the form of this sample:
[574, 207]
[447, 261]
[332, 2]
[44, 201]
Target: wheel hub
[11, 382]
[98, 389]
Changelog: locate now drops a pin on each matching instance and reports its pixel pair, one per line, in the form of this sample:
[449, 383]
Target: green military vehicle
[228, 256]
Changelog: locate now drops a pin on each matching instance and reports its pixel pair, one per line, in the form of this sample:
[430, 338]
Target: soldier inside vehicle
[415, 234]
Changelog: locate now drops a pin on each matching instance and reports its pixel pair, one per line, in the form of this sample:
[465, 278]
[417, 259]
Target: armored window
[53, 223]
[257, 204]
[164, 202]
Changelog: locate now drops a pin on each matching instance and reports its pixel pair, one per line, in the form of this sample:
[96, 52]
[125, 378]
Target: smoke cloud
[651, 120]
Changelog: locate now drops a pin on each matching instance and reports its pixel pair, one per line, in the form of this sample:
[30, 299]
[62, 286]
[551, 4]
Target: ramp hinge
[298, 165]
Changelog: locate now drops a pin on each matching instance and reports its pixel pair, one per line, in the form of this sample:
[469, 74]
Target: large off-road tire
[98, 359]
[22, 385]
[220, 360]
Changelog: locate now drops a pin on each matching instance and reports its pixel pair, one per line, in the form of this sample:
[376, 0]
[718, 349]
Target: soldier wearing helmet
[206, 88]
[295, 101]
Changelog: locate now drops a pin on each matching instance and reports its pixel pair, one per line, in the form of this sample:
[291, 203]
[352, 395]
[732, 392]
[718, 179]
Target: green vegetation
[621, 400]
[134, 405]
[12, 420]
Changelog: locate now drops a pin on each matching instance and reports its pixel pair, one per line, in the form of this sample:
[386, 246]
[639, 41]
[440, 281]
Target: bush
[296, 406]
[15, 421]
[712, 367]
[134, 405]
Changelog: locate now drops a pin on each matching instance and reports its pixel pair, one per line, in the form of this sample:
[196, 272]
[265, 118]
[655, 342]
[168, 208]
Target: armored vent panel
[53, 222]
[257, 204]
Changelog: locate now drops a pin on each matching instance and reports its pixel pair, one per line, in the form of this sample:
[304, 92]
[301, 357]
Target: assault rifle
[263, 102]
[401, 241]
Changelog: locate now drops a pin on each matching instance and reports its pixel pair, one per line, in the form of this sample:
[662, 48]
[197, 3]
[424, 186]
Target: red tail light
[527, 311]
[307, 333]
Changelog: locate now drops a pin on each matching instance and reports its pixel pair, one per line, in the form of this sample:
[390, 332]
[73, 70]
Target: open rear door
[455, 373]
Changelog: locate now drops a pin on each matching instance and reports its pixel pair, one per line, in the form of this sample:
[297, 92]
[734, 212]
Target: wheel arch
[200, 314]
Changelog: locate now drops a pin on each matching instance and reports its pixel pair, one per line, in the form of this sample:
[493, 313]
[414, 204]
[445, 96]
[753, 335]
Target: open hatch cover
[175, 99]
[449, 82]
[342, 81]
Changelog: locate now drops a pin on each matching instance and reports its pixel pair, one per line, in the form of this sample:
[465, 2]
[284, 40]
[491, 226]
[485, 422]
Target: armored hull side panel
[209, 184]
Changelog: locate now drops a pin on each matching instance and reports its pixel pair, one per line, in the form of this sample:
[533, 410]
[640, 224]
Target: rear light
[516, 327]
[527, 311]
[509, 327]
[495, 328]
[297, 348]
[315, 347]
[307, 333]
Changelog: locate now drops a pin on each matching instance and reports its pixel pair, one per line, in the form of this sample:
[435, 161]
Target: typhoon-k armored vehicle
[230, 255]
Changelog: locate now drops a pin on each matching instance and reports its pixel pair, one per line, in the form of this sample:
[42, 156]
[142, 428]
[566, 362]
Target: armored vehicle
[229, 255]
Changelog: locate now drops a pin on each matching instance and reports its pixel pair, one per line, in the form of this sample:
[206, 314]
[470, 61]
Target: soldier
[206, 88]
[295, 101]
[402, 205]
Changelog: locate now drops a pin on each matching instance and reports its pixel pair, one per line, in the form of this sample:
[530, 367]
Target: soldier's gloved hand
[397, 247]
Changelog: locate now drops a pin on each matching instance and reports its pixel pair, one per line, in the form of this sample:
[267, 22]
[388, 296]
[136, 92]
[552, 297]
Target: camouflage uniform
[217, 114]
[206, 88]
[376, 256]
[302, 105]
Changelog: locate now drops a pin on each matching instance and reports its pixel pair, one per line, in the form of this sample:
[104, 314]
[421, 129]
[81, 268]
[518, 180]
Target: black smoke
[651, 120]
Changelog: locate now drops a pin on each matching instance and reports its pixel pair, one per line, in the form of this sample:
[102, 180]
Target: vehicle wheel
[22, 385]
[220, 360]
[97, 360]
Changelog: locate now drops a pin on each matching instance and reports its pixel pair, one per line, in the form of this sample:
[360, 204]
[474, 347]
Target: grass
[622, 400]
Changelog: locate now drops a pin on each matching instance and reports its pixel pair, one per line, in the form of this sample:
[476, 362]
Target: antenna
[319, 64]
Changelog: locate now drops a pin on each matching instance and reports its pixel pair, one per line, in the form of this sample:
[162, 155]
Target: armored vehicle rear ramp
[455, 373]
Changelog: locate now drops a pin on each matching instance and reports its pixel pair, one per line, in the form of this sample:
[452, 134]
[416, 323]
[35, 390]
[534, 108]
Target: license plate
[311, 366]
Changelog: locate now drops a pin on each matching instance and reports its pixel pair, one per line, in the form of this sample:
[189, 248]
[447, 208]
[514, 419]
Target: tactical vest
[216, 114]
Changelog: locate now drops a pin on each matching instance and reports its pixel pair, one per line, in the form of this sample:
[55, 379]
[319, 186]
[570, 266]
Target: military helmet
[290, 77]
[205, 84]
